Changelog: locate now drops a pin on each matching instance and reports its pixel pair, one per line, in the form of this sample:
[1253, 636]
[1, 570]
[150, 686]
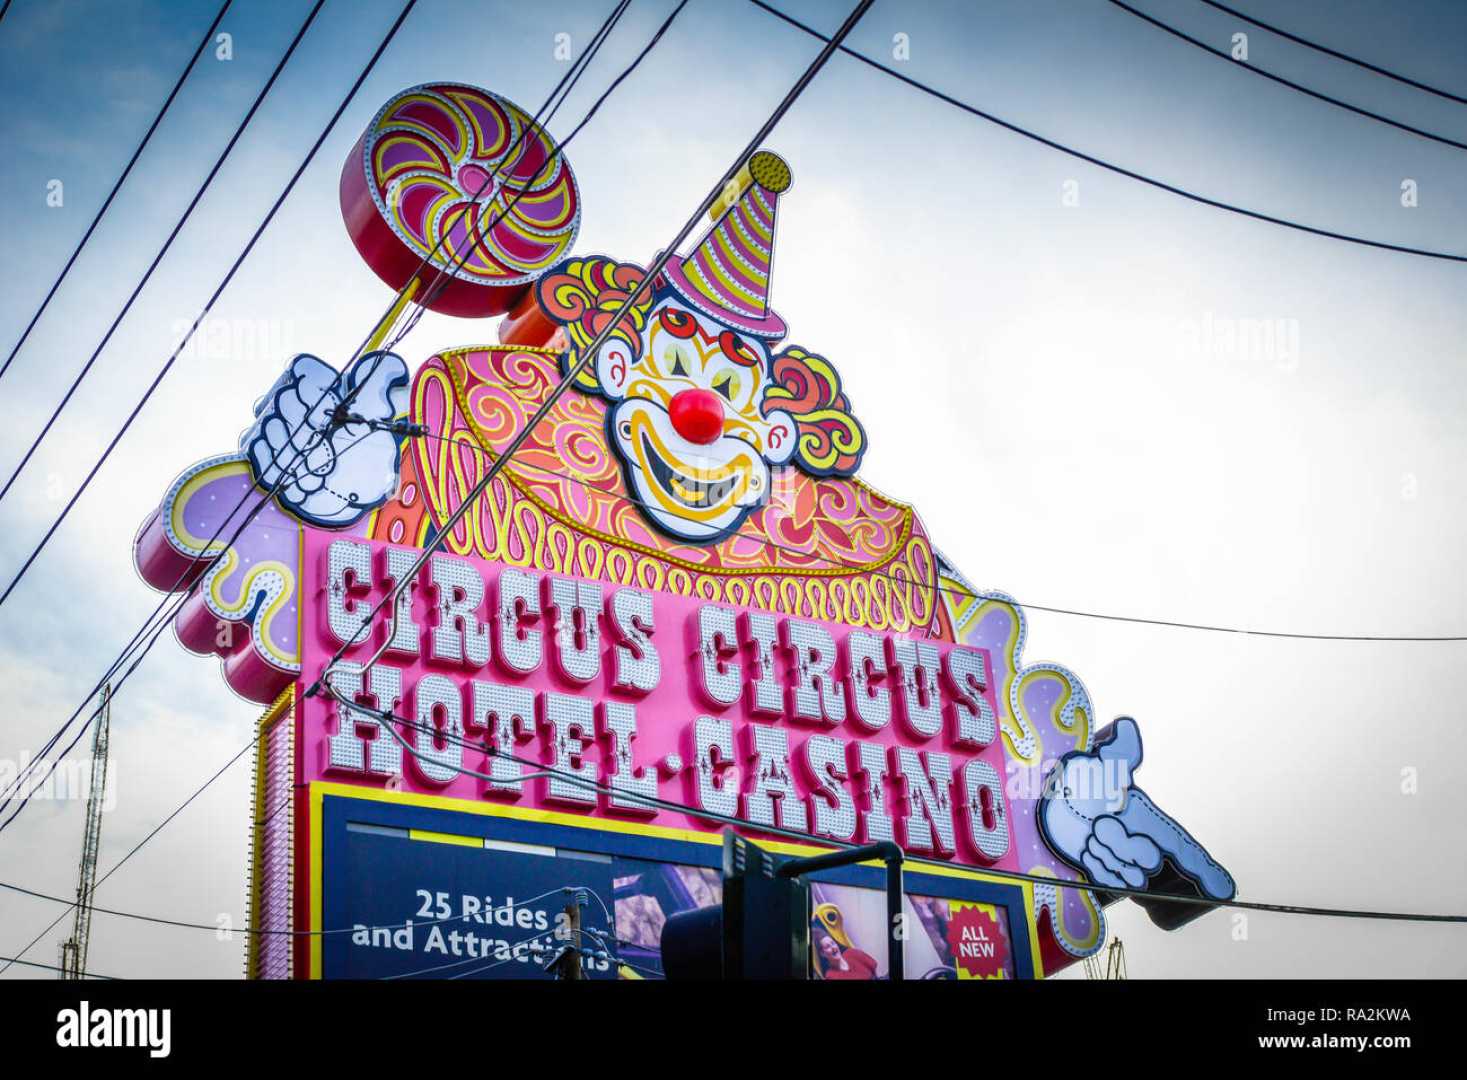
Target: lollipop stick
[390, 319]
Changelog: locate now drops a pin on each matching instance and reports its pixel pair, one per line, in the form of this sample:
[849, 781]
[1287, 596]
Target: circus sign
[802, 724]
[677, 598]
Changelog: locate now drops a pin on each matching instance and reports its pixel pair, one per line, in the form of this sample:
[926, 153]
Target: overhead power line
[209, 305]
[1101, 163]
[517, 947]
[162, 251]
[717, 191]
[562, 89]
[22, 779]
[151, 642]
[834, 561]
[199, 574]
[1272, 77]
[147, 394]
[31, 963]
[1317, 47]
[441, 281]
[1132, 619]
[1244, 630]
[802, 836]
[566, 84]
[390, 720]
[70, 904]
[126, 171]
[589, 353]
[186, 924]
[403, 322]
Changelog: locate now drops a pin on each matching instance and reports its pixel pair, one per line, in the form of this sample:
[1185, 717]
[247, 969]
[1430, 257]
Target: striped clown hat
[727, 275]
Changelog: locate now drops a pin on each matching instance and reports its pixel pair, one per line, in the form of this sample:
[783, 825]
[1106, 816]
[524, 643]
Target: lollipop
[456, 164]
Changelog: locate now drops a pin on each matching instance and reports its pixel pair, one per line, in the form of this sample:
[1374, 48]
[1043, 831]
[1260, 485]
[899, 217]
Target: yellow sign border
[319, 789]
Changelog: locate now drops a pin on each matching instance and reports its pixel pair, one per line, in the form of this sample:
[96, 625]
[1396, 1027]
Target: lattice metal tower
[1115, 963]
[74, 950]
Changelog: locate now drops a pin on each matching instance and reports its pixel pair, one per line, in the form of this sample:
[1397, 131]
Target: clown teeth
[694, 494]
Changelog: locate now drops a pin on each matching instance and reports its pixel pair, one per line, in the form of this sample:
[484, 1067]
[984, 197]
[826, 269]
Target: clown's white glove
[1118, 858]
[1095, 819]
[337, 472]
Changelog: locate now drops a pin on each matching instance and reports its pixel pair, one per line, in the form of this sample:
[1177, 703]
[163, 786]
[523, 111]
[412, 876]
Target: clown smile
[692, 493]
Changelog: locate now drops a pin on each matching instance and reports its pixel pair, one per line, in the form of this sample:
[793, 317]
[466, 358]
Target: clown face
[687, 424]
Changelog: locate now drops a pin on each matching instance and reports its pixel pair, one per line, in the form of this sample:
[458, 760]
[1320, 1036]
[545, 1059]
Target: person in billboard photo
[834, 962]
[833, 953]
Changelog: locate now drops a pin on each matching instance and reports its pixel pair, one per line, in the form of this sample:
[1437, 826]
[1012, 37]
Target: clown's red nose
[697, 415]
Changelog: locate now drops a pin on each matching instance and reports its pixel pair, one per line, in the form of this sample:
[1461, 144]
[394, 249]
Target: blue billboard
[410, 890]
[410, 902]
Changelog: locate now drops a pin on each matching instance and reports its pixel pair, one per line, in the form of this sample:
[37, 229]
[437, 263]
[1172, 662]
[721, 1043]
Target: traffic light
[762, 931]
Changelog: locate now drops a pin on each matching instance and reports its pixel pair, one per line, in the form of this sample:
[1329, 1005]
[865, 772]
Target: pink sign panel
[618, 702]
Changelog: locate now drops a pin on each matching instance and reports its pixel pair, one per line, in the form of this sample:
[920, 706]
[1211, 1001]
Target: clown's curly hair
[831, 441]
[581, 294]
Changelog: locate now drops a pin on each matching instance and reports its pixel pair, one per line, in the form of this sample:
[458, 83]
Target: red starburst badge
[977, 942]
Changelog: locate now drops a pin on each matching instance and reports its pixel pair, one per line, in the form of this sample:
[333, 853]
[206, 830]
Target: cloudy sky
[1061, 368]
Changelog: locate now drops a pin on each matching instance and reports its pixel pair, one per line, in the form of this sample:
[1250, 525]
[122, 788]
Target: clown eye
[737, 349]
[726, 385]
[677, 323]
[678, 367]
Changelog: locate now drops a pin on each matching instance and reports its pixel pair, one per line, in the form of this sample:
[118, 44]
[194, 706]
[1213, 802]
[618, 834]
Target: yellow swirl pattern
[827, 548]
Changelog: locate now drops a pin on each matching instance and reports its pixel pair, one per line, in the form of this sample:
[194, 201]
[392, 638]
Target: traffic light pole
[888, 853]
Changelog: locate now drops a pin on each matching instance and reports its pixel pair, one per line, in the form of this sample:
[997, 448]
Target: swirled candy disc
[457, 175]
